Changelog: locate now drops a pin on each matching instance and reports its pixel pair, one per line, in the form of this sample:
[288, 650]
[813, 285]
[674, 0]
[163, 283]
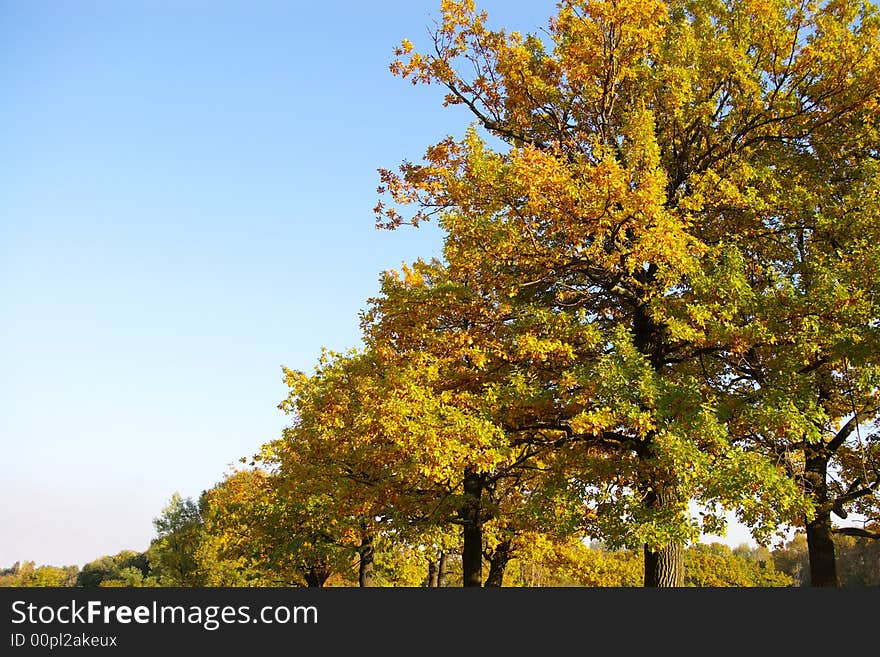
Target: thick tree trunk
[365, 567]
[497, 563]
[820, 544]
[472, 530]
[663, 567]
[432, 581]
[823, 566]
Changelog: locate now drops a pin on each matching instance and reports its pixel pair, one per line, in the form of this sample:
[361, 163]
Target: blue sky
[186, 193]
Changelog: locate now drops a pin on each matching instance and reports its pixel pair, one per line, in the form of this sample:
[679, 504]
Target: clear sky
[186, 193]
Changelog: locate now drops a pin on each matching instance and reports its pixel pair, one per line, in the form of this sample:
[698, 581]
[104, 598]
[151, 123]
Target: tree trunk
[820, 544]
[365, 567]
[317, 574]
[441, 570]
[663, 567]
[472, 530]
[437, 572]
[823, 566]
[497, 563]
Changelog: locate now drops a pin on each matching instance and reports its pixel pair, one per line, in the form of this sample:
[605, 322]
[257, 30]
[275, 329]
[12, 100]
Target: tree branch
[856, 531]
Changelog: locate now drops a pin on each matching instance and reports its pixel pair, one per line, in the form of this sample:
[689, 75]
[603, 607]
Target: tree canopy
[656, 204]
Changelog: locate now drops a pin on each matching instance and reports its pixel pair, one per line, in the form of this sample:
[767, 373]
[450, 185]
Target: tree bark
[365, 567]
[437, 572]
[441, 570]
[497, 563]
[317, 574]
[472, 530]
[820, 544]
[663, 567]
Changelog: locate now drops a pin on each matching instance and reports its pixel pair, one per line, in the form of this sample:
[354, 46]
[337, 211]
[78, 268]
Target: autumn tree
[476, 359]
[812, 403]
[356, 479]
[637, 197]
[809, 375]
[380, 445]
[263, 533]
[350, 448]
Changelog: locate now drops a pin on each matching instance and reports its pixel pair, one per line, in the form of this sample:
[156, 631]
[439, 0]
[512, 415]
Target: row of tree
[184, 553]
[658, 291]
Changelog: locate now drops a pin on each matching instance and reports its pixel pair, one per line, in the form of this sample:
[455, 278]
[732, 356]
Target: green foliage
[172, 555]
[111, 570]
[130, 577]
